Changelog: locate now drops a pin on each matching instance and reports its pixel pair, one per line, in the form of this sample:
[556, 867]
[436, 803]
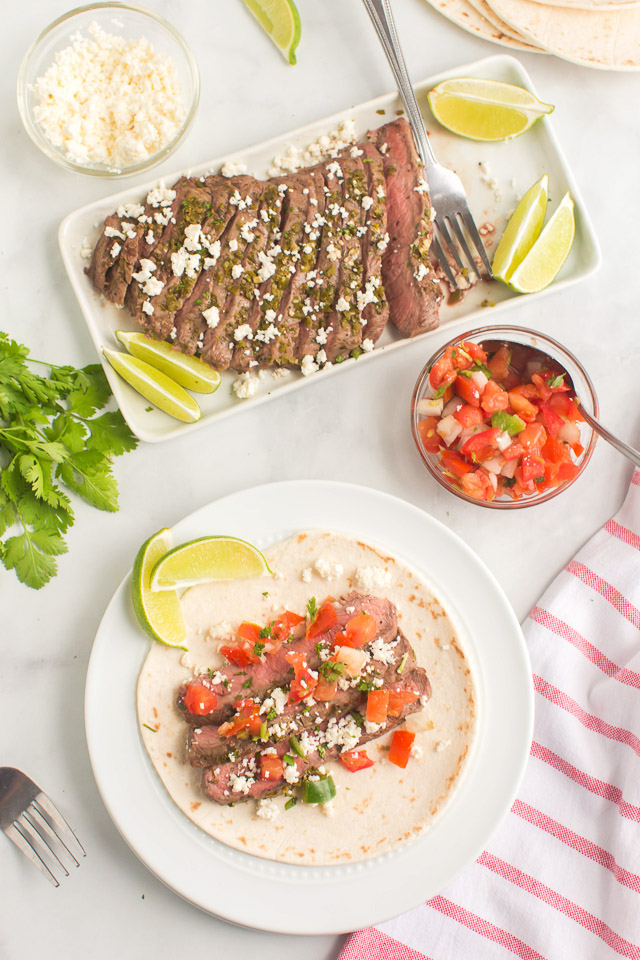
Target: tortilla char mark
[258, 680]
[206, 746]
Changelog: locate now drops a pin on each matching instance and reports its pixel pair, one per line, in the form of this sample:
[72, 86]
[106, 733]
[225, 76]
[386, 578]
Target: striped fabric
[561, 877]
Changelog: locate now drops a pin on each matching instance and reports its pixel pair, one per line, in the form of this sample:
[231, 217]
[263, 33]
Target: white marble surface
[354, 427]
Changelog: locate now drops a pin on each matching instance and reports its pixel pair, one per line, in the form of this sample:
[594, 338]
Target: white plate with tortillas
[260, 890]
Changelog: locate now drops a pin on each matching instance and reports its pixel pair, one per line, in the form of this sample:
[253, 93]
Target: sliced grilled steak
[268, 673]
[375, 308]
[344, 318]
[207, 746]
[238, 780]
[410, 285]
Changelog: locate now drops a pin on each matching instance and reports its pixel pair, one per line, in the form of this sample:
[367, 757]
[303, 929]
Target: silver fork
[36, 826]
[448, 197]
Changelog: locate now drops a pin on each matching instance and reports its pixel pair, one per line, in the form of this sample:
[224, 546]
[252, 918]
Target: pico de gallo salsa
[502, 420]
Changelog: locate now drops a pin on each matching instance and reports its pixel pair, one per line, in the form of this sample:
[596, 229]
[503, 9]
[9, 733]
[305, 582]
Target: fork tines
[446, 250]
[46, 839]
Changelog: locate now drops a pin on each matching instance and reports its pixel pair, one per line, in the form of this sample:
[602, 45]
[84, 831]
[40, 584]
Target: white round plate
[319, 900]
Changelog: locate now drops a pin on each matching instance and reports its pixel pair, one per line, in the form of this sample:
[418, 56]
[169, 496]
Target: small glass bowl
[529, 338]
[131, 22]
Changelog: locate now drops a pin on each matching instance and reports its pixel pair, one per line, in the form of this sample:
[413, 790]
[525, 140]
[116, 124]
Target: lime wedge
[485, 109]
[155, 386]
[189, 372]
[281, 20]
[159, 614]
[522, 230]
[548, 253]
[209, 558]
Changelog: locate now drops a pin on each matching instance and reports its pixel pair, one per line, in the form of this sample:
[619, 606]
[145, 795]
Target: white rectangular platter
[495, 176]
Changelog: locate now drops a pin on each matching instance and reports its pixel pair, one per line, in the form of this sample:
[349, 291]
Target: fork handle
[382, 18]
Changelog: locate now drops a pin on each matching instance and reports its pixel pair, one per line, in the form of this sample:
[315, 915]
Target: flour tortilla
[483, 8]
[464, 15]
[605, 40]
[375, 810]
[602, 5]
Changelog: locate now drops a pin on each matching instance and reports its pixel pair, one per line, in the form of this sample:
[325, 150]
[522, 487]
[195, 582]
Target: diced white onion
[569, 432]
[509, 468]
[449, 429]
[430, 407]
[479, 379]
[503, 441]
[454, 404]
[353, 660]
[493, 479]
[494, 465]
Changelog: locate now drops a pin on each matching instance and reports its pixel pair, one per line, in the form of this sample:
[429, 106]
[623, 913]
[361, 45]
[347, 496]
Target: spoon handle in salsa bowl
[622, 447]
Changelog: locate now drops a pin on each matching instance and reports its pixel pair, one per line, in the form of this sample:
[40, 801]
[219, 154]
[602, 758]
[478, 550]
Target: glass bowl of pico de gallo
[495, 415]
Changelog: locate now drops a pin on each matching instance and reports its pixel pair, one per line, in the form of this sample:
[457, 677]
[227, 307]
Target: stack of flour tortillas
[594, 33]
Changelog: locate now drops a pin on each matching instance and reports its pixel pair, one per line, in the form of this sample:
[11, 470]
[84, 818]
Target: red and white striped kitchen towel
[561, 877]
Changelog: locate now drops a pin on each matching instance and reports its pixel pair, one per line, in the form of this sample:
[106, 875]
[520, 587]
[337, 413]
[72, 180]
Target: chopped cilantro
[271, 715]
[312, 609]
[554, 382]
[322, 750]
[539, 479]
[291, 802]
[339, 359]
[331, 670]
[440, 392]
[265, 593]
[258, 647]
[289, 760]
[359, 719]
[508, 481]
[266, 631]
[247, 683]
[365, 685]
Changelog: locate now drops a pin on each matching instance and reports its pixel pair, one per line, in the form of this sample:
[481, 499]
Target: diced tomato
[550, 376]
[247, 718]
[499, 362]
[325, 690]
[400, 749]
[513, 450]
[455, 462]
[475, 351]
[443, 371]
[555, 451]
[533, 437]
[249, 631]
[530, 467]
[568, 471]
[481, 446]
[494, 398]
[552, 420]
[360, 629]
[377, 706]
[356, 760]
[282, 627]
[543, 390]
[429, 435]
[522, 406]
[469, 416]
[240, 654]
[271, 767]
[323, 621]
[399, 699]
[565, 406]
[199, 700]
[477, 485]
[467, 391]
[303, 683]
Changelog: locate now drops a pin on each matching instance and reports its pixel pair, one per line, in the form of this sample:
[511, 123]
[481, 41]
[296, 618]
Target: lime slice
[209, 558]
[548, 253]
[159, 614]
[485, 109]
[189, 372]
[522, 230]
[155, 386]
[281, 20]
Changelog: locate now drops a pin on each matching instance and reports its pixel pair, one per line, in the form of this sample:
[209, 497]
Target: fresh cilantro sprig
[50, 437]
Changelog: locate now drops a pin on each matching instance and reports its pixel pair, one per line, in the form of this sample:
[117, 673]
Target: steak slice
[147, 230]
[234, 294]
[344, 319]
[268, 674]
[237, 780]
[410, 285]
[374, 311]
[206, 745]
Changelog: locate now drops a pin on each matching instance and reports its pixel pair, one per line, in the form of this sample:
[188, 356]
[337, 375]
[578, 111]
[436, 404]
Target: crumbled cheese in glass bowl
[108, 90]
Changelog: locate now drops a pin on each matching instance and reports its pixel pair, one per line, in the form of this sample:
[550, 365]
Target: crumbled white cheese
[423, 187]
[212, 316]
[237, 270]
[147, 308]
[291, 773]
[245, 386]
[276, 701]
[281, 373]
[342, 305]
[233, 168]
[294, 158]
[328, 569]
[309, 366]
[384, 652]
[416, 751]
[219, 631]
[267, 809]
[109, 100]
[367, 203]
[421, 272]
[367, 345]
[328, 808]
[306, 575]
[442, 745]
[373, 578]
[115, 250]
[86, 249]
[240, 784]
[384, 243]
